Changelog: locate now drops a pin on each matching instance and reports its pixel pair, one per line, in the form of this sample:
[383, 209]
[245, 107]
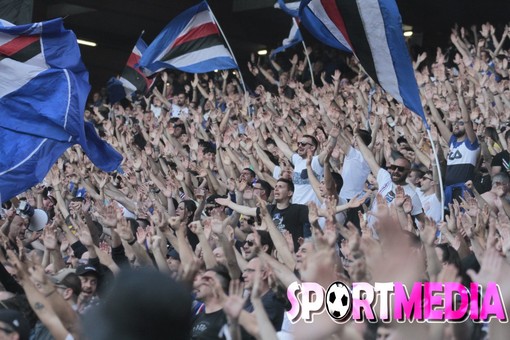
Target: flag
[293, 39]
[132, 78]
[191, 42]
[372, 30]
[43, 92]
[291, 8]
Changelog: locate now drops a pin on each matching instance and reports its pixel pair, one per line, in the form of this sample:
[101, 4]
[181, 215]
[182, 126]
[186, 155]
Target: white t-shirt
[354, 173]
[387, 190]
[156, 110]
[177, 110]
[303, 192]
[431, 205]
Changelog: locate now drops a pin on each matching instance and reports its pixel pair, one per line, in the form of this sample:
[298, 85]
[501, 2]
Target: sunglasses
[399, 168]
[460, 122]
[424, 177]
[303, 144]
[249, 243]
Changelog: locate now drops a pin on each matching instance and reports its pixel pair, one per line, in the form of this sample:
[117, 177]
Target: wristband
[132, 242]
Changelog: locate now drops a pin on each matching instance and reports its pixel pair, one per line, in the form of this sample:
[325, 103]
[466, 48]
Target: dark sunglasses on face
[399, 168]
[303, 144]
[424, 177]
[249, 243]
[460, 122]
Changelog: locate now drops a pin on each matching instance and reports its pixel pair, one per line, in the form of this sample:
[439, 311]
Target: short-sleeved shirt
[209, 326]
[303, 191]
[461, 161]
[431, 206]
[387, 190]
[294, 218]
[502, 159]
[354, 173]
[274, 308]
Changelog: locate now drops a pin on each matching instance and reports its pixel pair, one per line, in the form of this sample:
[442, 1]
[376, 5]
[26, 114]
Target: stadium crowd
[232, 197]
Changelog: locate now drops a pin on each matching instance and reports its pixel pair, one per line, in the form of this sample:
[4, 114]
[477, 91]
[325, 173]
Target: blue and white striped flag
[191, 42]
[372, 31]
[43, 92]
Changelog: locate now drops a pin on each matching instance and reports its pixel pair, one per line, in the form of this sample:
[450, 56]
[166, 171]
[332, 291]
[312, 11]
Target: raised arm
[242, 209]
[468, 124]
[311, 176]
[368, 156]
[282, 145]
[333, 136]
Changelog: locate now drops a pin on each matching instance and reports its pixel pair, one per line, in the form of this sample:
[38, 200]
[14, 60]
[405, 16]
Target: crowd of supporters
[226, 198]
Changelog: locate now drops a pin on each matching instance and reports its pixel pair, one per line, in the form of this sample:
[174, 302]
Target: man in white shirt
[429, 197]
[355, 171]
[180, 107]
[303, 189]
[388, 180]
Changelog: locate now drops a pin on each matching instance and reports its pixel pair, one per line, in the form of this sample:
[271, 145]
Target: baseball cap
[67, 277]
[86, 269]
[173, 254]
[16, 321]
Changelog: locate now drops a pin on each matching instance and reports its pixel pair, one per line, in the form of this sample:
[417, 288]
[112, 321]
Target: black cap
[86, 269]
[16, 321]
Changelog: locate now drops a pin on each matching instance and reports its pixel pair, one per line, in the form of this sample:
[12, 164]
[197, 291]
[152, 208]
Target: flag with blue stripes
[372, 31]
[43, 91]
[191, 42]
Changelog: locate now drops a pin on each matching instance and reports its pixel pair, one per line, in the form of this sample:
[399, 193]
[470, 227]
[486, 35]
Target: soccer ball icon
[339, 301]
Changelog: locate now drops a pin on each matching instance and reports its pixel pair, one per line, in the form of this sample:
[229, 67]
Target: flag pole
[230, 49]
[306, 54]
[439, 175]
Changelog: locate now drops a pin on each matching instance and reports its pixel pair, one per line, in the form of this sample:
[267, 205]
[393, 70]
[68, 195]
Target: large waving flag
[191, 42]
[43, 92]
[372, 30]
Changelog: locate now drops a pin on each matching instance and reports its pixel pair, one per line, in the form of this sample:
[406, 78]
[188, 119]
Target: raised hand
[174, 222]
[313, 215]
[428, 233]
[124, 229]
[141, 235]
[234, 303]
[399, 196]
[49, 238]
[196, 227]
[84, 236]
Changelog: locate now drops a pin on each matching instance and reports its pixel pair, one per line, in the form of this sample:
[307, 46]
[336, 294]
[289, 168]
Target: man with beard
[89, 280]
[389, 180]
[463, 155]
[462, 158]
